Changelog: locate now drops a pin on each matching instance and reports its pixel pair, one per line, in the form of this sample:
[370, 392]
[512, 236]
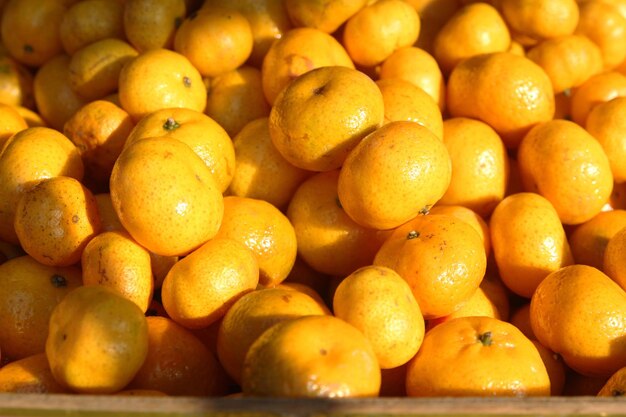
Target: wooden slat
[96, 406]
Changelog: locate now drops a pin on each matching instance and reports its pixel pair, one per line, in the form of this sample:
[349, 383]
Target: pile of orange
[290, 198]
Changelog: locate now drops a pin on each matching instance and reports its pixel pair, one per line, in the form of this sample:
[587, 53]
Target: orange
[474, 29]
[28, 157]
[32, 118]
[379, 302]
[254, 313]
[486, 87]
[606, 27]
[268, 20]
[418, 67]
[29, 293]
[582, 385]
[378, 29]
[165, 196]
[477, 356]
[160, 266]
[403, 100]
[266, 231]
[201, 287]
[604, 122]
[261, 172]
[99, 130]
[615, 386]
[326, 16]
[115, 260]
[30, 30]
[578, 313]
[302, 275]
[480, 165]
[88, 21]
[441, 257]
[235, 98]
[298, 51]
[568, 60]
[197, 130]
[149, 25]
[563, 162]
[311, 356]
[12, 122]
[398, 171]
[613, 260]
[94, 69]
[16, 83]
[521, 319]
[160, 79]
[471, 217]
[329, 241]
[98, 340]
[528, 241]
[597, 89]
[55, 98]
[178, 363]
[531, 21]
[29, 375]
[108, 217]
[215, 40]
[56, 219]
[588, 240]
[323, 114]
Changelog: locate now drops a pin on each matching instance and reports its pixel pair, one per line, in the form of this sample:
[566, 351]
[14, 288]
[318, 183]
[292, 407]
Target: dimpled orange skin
[563, 162]
[477, 356]
[29, 293]
[509, 92]
[613, 260]
[328, 239]
[201, 287]
[588, 240]
[615, 386]
[323, 114]
[605, 123]
[441, 257]
[28, 157]
[528, 241]
[56, 219]
[30, 375]
[471, 217]
[326, 16]
[597, 89]
[165, 196]
[152, 25]
[313, 356]
[393, 174]
[298, 51]
[254, 313]
[158, 79]
[580, 313]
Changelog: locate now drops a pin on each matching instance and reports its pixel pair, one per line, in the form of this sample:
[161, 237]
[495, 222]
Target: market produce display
[298, 198]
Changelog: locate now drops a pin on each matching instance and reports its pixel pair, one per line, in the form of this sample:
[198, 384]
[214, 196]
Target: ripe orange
[98, 340]
[441, 257]
[615, 386]
[379, 302]
[605, 123]
[202, 286]
[29, 375]
[326, 16]
[29, 293]
[12, 122]
[311, 356]
[486, 87]
[394, 173]
[477, 356]
[56, 219]
[577, 312]
[480, 165]
[563, 162]
[149, 25]
[588, 240]
[613, 259]
[597, 89]
[603, 24]
[165, 196]
[528, 241]
[470, 217]
[323, 114]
